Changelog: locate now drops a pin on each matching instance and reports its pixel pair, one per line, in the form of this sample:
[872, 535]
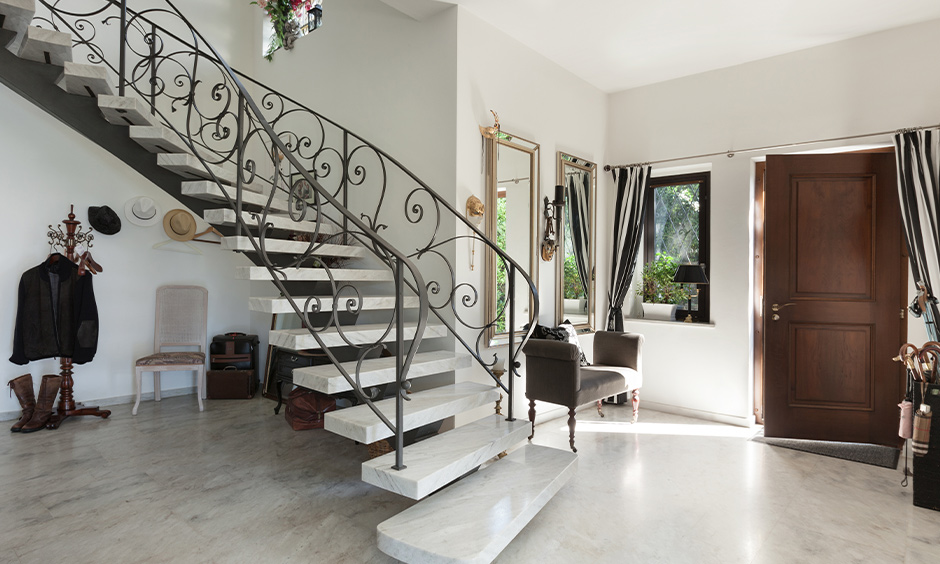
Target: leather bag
[306, 408]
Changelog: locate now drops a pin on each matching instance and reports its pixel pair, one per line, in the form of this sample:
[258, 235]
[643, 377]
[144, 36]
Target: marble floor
[236, 484]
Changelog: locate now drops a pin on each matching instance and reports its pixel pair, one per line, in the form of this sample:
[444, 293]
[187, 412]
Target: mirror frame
[566, 159]
[490, 182]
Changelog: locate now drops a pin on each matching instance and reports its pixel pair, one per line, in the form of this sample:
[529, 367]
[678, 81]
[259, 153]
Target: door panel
[832, 296]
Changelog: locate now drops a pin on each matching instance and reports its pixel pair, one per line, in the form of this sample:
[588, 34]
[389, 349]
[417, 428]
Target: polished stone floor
[236, 484]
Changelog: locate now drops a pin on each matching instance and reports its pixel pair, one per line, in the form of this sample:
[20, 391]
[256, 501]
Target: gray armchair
[554, 373]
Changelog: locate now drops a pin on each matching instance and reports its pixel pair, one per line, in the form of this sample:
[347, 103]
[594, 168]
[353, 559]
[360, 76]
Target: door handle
[778, 307]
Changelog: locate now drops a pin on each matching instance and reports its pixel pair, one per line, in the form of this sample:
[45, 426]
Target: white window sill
[664, 322]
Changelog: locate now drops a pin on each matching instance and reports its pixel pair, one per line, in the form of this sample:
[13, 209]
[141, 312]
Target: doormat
[876, 455]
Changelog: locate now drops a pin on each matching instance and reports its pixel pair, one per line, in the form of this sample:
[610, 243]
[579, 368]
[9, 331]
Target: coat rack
[68, 241]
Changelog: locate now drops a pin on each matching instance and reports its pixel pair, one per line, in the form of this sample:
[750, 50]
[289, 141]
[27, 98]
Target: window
[676, 232]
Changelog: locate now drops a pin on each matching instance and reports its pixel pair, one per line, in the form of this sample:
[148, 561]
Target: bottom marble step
[476, 518]
[433, 463]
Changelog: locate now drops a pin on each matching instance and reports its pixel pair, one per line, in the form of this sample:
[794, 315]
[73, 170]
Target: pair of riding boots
[36, 410]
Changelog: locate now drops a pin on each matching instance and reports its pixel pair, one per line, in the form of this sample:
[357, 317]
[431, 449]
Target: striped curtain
[918, 156]
[632, 183]
[578, 209]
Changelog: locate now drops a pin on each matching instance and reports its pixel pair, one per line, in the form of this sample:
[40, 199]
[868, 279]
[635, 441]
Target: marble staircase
[472, 508]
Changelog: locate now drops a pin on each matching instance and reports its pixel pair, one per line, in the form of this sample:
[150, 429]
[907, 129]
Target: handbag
[306, 408]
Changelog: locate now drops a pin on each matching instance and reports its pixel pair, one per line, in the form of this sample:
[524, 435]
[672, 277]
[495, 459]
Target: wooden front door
[832, 307]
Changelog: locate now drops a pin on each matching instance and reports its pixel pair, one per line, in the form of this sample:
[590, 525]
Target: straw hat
[180, 225]
[142, 211]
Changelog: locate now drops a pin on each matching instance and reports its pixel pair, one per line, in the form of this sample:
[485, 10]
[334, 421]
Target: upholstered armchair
[554, 373]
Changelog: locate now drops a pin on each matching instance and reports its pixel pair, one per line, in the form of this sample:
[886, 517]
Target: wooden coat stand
[68, 240]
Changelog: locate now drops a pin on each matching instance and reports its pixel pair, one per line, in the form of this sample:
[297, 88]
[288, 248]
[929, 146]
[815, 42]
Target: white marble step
[359, 423]
[433, 463]
[226, 217]
[369, 303]
[126, 110]
[158, 139]
[283, 246]
[473, 520]
[190, 167]
[212, 192]
[85, 80]
[46, 46]
[17, 14]
[301, 339]
[314, 274]
[326, 378]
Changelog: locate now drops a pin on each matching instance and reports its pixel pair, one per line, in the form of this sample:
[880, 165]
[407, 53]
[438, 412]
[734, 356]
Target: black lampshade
[690, 274]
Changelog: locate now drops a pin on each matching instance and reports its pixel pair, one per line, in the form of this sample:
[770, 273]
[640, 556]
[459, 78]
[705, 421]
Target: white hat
[142, 211]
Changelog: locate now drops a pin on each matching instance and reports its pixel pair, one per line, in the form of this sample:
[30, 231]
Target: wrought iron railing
[334, 185]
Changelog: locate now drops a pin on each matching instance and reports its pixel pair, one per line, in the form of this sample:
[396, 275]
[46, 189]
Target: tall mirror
[512, 187]
[576, 252]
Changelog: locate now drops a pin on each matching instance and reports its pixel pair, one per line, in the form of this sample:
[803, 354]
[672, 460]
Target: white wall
[48, 166]
[539, 101]
[863, 85]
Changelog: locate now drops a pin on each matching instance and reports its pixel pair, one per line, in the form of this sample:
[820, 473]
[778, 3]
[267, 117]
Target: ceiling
[621, 44]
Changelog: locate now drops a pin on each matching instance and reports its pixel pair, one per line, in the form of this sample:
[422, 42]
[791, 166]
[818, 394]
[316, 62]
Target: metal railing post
[512, 337]
[123, 51]
[153, 70]
[399, 368]
[345, 185]
[240, 163]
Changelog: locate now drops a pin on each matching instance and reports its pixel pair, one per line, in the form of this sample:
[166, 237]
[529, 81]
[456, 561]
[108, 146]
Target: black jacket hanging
[56, 314]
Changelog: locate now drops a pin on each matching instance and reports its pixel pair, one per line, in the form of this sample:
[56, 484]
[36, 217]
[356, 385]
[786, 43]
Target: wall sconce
[475, 209]
[553, 213]
[315, 16]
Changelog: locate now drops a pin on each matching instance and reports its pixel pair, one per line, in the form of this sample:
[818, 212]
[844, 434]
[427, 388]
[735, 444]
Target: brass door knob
[778, 307]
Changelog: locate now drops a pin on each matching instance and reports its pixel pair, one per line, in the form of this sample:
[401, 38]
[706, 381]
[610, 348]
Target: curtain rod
[732, 153]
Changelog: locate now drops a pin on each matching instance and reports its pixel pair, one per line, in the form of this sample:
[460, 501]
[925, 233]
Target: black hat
[104, 220]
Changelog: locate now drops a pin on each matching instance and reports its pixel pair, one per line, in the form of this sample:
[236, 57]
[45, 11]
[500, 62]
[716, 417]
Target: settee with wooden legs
[554, 373]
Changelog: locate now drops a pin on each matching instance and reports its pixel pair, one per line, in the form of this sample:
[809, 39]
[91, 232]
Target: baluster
[399, 358]
[512, 337]
[240, 164]
[153, 70]
[123, 50]
[344, 187]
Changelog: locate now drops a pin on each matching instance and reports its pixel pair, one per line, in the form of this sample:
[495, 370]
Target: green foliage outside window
[501, 273]
[657, 286]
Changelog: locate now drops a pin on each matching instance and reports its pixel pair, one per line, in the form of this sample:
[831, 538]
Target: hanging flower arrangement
[286, 16]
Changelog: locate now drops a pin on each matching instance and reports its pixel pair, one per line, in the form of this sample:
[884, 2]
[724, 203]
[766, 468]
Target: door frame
[757, 234]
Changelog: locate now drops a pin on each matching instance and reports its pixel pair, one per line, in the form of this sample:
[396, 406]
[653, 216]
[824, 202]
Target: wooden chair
[180, 322]
[554, 373]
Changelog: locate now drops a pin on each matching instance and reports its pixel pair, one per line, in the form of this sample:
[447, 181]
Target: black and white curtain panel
[918, 156]
[578, 208]
[632, 183]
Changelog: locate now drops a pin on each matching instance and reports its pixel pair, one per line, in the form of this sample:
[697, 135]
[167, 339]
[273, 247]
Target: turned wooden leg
[636, 404]
[600, 405]
[532, 417]
[571, 423]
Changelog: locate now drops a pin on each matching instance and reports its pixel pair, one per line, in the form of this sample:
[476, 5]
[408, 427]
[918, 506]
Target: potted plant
[285, 15]
[659, 293]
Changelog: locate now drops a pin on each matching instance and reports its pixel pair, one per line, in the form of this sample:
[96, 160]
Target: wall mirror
[512, 189]
[575, 270]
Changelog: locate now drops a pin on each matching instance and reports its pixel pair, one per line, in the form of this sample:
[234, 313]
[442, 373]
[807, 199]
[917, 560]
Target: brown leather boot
[48, 390]
[22, 386]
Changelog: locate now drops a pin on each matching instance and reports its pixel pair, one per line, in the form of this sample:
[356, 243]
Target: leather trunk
[230, 384]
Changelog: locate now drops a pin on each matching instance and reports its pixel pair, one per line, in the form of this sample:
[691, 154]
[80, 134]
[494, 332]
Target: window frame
[703, 179]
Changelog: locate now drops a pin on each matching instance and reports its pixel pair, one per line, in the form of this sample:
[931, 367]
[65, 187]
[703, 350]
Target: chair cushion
[598, 382]
[170, 358]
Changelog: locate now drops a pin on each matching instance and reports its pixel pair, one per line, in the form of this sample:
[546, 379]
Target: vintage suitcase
[230, 384]
[235, 350]
[927, 468]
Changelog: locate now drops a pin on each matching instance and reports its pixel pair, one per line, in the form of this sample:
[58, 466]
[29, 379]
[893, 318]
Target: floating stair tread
[359, 423]
[226, 217]
[369, 303]
[17, 16]
[126, 110]
[314, 274]
[433, 463]
[301, 339]
[212, 192]
[327, 378]
[158, 139]
[283, 246]
[189, 166]
[473, 520]
[85, 80]
[39, 42]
